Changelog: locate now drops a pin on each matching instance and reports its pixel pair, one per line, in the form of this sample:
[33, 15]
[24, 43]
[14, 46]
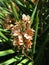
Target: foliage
[38, 11]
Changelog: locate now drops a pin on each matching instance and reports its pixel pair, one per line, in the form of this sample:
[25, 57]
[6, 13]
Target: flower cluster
[22, 33]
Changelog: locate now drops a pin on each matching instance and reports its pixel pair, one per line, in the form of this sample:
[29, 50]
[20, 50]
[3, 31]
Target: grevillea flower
[21, 32]
[28, 43]
[25, 18]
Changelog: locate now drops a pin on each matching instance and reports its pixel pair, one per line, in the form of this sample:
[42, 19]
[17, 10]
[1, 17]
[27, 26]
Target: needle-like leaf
[3, 36]
[14, 10]
[36, 33]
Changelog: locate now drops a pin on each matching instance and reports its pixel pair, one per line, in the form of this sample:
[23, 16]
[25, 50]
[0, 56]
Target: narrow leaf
[14, 10]
[18, 2]
[24, 61]
[4, 30]
[30, 63]
[0, 40]
[19, 64]
[9, 61]
[15, 59]
[3, 36]
[33, 14]
[36, 32]
[6, 52]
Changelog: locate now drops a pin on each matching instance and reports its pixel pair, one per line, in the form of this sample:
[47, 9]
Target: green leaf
[24, 60]
[30, 63]
[11, 60]
[0, 21]
[18, 2]
[6, 52]
[22, 7]
[14, 10]
[0, 40]
[4, 30]
[1, 16]
[4, 10]
[33, 14]
[36, 33]
[3, 36]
